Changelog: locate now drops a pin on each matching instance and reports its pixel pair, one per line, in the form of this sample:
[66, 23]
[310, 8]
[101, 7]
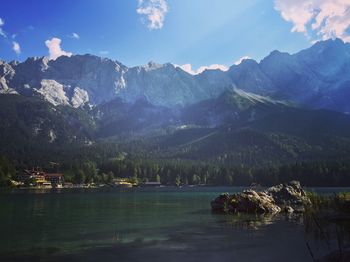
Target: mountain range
[286, 108]
[317, 77]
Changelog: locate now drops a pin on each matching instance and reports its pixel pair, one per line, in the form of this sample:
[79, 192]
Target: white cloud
[154, 11]
[55, 50]
[104, 52]
[241, 59]
[2, 32]
[188, 68]
[16, 47]
[326, 18]
[74, 36]
[212, 67]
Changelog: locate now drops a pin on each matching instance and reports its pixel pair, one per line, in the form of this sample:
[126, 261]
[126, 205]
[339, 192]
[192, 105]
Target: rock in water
[288, 197]
[220, 203]
[249, 201]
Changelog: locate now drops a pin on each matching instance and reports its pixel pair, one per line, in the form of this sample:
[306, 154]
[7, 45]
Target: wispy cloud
[326, 18]
[154, 11]
[74, 36]
[239, 61]
[188, 68]
[2, 32]
[212, 67]
[16, 47]
[55, 50]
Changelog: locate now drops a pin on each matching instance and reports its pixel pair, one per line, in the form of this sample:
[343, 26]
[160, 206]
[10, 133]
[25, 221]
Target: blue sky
[196, 32]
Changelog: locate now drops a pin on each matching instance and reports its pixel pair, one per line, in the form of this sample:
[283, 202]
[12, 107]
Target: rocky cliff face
[84, 78]
[69, 80]
[6, 73]
[317, 77]
[162, 85]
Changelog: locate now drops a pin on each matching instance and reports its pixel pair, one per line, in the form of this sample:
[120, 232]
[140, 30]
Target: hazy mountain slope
[139, 118]
[249, 76]
[31, 121]
[235, 128]
[241, 127]
[314, 76]
[232, 107]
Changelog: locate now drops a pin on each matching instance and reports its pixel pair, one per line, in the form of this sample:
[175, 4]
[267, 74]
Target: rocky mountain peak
[305, 77]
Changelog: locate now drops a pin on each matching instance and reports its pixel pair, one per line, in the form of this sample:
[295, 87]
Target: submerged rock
[288, 197]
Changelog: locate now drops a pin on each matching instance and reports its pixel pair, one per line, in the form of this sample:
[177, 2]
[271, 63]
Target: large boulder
[288, 197]
[249, 201]
[220, 203]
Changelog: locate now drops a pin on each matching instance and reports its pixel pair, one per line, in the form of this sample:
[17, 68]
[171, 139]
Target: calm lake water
[160, 224]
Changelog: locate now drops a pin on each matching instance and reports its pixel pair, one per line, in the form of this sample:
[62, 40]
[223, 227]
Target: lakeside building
[55, 179]
[39, 178]
[122, 182]
[68, 185]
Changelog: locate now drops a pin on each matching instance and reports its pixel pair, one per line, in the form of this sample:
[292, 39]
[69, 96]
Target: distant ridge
[317, 77]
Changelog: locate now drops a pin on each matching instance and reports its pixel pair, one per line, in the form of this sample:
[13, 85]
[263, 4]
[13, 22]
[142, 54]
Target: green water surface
[161, 224]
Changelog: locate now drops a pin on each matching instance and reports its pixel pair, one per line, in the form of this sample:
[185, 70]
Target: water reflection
[256, 221]
[246, 221]
[327, 235]
[146, 226]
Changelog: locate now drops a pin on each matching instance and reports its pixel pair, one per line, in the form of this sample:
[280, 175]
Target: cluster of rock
[288, 197]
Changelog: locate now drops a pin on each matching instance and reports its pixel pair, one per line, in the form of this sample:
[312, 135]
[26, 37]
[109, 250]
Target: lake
[145, 224]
